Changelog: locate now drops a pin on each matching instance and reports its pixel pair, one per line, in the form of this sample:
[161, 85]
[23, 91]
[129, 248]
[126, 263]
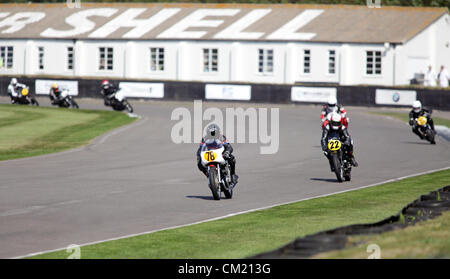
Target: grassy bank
[430, 239]
[248, 234]
[30, 131]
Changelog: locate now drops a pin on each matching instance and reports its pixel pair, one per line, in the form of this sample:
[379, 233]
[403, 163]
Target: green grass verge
[30, 131]
[252, 233]
[405, 117]
[429, 239]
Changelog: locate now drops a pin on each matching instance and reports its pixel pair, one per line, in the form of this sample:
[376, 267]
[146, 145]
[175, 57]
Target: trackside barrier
[426, 207]
[264, 93]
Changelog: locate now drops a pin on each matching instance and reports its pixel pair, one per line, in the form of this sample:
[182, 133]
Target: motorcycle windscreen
[334, 135]
[212, 144]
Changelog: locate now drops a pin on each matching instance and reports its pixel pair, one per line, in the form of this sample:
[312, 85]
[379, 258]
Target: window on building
[157, 59]
[373, 62]
[332, 62]
[70, 54]
[106, 58]
[6, 57]
[265, 60]
[210, 60]
[306, 61]
[41, 58]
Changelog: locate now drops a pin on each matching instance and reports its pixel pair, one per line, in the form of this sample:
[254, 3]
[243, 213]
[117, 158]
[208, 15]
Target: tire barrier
[266, 93]
[426, 207]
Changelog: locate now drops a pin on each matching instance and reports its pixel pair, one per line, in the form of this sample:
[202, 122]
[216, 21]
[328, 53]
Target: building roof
[255, 22]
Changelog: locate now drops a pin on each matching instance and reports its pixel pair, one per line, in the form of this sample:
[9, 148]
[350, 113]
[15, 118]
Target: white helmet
[336, 121]
[14, 81]
[332, 101]
[417, 106]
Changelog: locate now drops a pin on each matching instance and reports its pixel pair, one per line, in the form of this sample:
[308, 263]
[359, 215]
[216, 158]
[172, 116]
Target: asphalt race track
[136, 179]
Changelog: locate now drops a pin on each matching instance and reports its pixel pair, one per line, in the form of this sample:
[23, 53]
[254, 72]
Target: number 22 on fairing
[334, 145]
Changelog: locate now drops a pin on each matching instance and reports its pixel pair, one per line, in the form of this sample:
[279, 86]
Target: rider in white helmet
[13, 89]
[335, 125]
[416, 112]
[330, 107]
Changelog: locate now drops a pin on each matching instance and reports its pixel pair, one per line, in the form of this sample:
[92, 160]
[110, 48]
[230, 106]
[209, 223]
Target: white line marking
[237, 213]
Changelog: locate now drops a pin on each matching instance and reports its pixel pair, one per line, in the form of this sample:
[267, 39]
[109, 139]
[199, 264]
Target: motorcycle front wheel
[74, 104]
[430, 136]
[214, 183]
[129, 107]
[338, 170]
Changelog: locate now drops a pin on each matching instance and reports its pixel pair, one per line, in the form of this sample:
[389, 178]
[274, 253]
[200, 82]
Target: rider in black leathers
[415, 113]
[213, 132]
[108, 92]
[335, 124]
[55, 94]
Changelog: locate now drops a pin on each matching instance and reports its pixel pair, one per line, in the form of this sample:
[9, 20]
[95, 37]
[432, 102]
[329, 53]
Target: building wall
[237, 61]
[18, 56]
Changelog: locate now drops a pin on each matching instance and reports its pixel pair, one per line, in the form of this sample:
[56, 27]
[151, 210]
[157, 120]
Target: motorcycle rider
[330, 107]
[108, 92]
[213, 133]
[336, 124]
[55, 94]
[416, 112]
[13, 90]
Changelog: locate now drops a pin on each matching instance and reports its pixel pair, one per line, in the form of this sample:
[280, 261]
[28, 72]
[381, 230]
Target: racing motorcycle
[425, 129]
[339, 158]
[120, 103]
[219, 177]
[66, 101]
[25, 97]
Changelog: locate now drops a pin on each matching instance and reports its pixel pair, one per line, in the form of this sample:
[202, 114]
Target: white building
[283, 44]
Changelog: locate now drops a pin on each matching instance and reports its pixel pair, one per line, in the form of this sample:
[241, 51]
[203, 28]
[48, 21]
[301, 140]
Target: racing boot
[353, 160]
[234, 179]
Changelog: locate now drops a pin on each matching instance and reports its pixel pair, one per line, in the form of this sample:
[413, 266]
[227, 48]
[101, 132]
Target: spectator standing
[443, 77]
[430, 77]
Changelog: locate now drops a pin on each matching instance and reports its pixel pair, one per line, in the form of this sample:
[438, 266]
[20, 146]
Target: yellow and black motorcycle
[339, 158]
[425, 129]
[25, 97]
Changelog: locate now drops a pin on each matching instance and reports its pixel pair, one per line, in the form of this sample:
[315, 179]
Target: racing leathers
[328, 109]
[226, 155]
[344, 137]
[108, 93]
[414, 115]
[55, 96]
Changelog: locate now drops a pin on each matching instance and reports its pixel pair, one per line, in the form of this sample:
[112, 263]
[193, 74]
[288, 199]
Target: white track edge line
[237, 213]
